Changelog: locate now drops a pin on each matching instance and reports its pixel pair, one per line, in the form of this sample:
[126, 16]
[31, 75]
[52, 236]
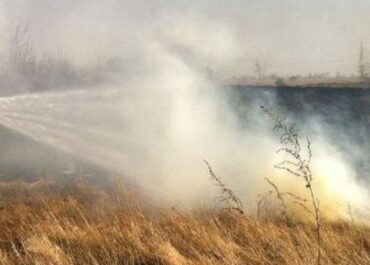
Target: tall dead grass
[77, 223]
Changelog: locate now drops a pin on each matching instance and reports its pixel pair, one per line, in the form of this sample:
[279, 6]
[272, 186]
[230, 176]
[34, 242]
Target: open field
[46, 222]
[239, 131]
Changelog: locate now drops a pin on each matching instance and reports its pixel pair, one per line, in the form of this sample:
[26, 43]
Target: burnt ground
[342, 113]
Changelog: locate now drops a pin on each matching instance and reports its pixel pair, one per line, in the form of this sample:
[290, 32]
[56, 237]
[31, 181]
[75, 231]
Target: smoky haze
[125, 85]
[285, 36]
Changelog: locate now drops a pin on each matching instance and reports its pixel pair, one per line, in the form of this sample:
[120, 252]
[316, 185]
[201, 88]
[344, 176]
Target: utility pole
[361, 65]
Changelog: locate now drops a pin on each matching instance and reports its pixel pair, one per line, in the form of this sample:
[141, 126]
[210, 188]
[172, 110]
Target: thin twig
[228, 197]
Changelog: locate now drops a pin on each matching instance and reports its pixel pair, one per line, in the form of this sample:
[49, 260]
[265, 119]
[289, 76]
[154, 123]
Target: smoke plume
[133, 86]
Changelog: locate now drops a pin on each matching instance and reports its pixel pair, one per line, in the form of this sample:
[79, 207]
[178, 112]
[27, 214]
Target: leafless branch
[291, 145]
[227, 196]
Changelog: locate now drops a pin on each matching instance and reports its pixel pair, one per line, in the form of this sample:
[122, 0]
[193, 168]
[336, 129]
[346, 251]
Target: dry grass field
[49, 222]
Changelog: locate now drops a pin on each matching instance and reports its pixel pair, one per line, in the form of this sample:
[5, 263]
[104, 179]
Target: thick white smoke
[160, 112]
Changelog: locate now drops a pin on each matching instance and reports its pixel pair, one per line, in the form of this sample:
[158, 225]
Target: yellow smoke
[334, 184]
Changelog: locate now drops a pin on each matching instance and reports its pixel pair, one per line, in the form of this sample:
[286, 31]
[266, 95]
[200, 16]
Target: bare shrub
[280, 197]
[232, 201]
[298, 165]
[50, 70]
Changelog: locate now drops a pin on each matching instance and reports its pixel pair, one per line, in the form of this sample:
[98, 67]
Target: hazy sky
[284, 36]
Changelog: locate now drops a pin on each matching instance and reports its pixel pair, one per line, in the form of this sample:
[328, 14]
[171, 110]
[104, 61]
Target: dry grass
[77, 223]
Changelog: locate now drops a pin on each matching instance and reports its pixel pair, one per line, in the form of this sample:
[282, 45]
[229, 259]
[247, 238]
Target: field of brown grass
[77, 223]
